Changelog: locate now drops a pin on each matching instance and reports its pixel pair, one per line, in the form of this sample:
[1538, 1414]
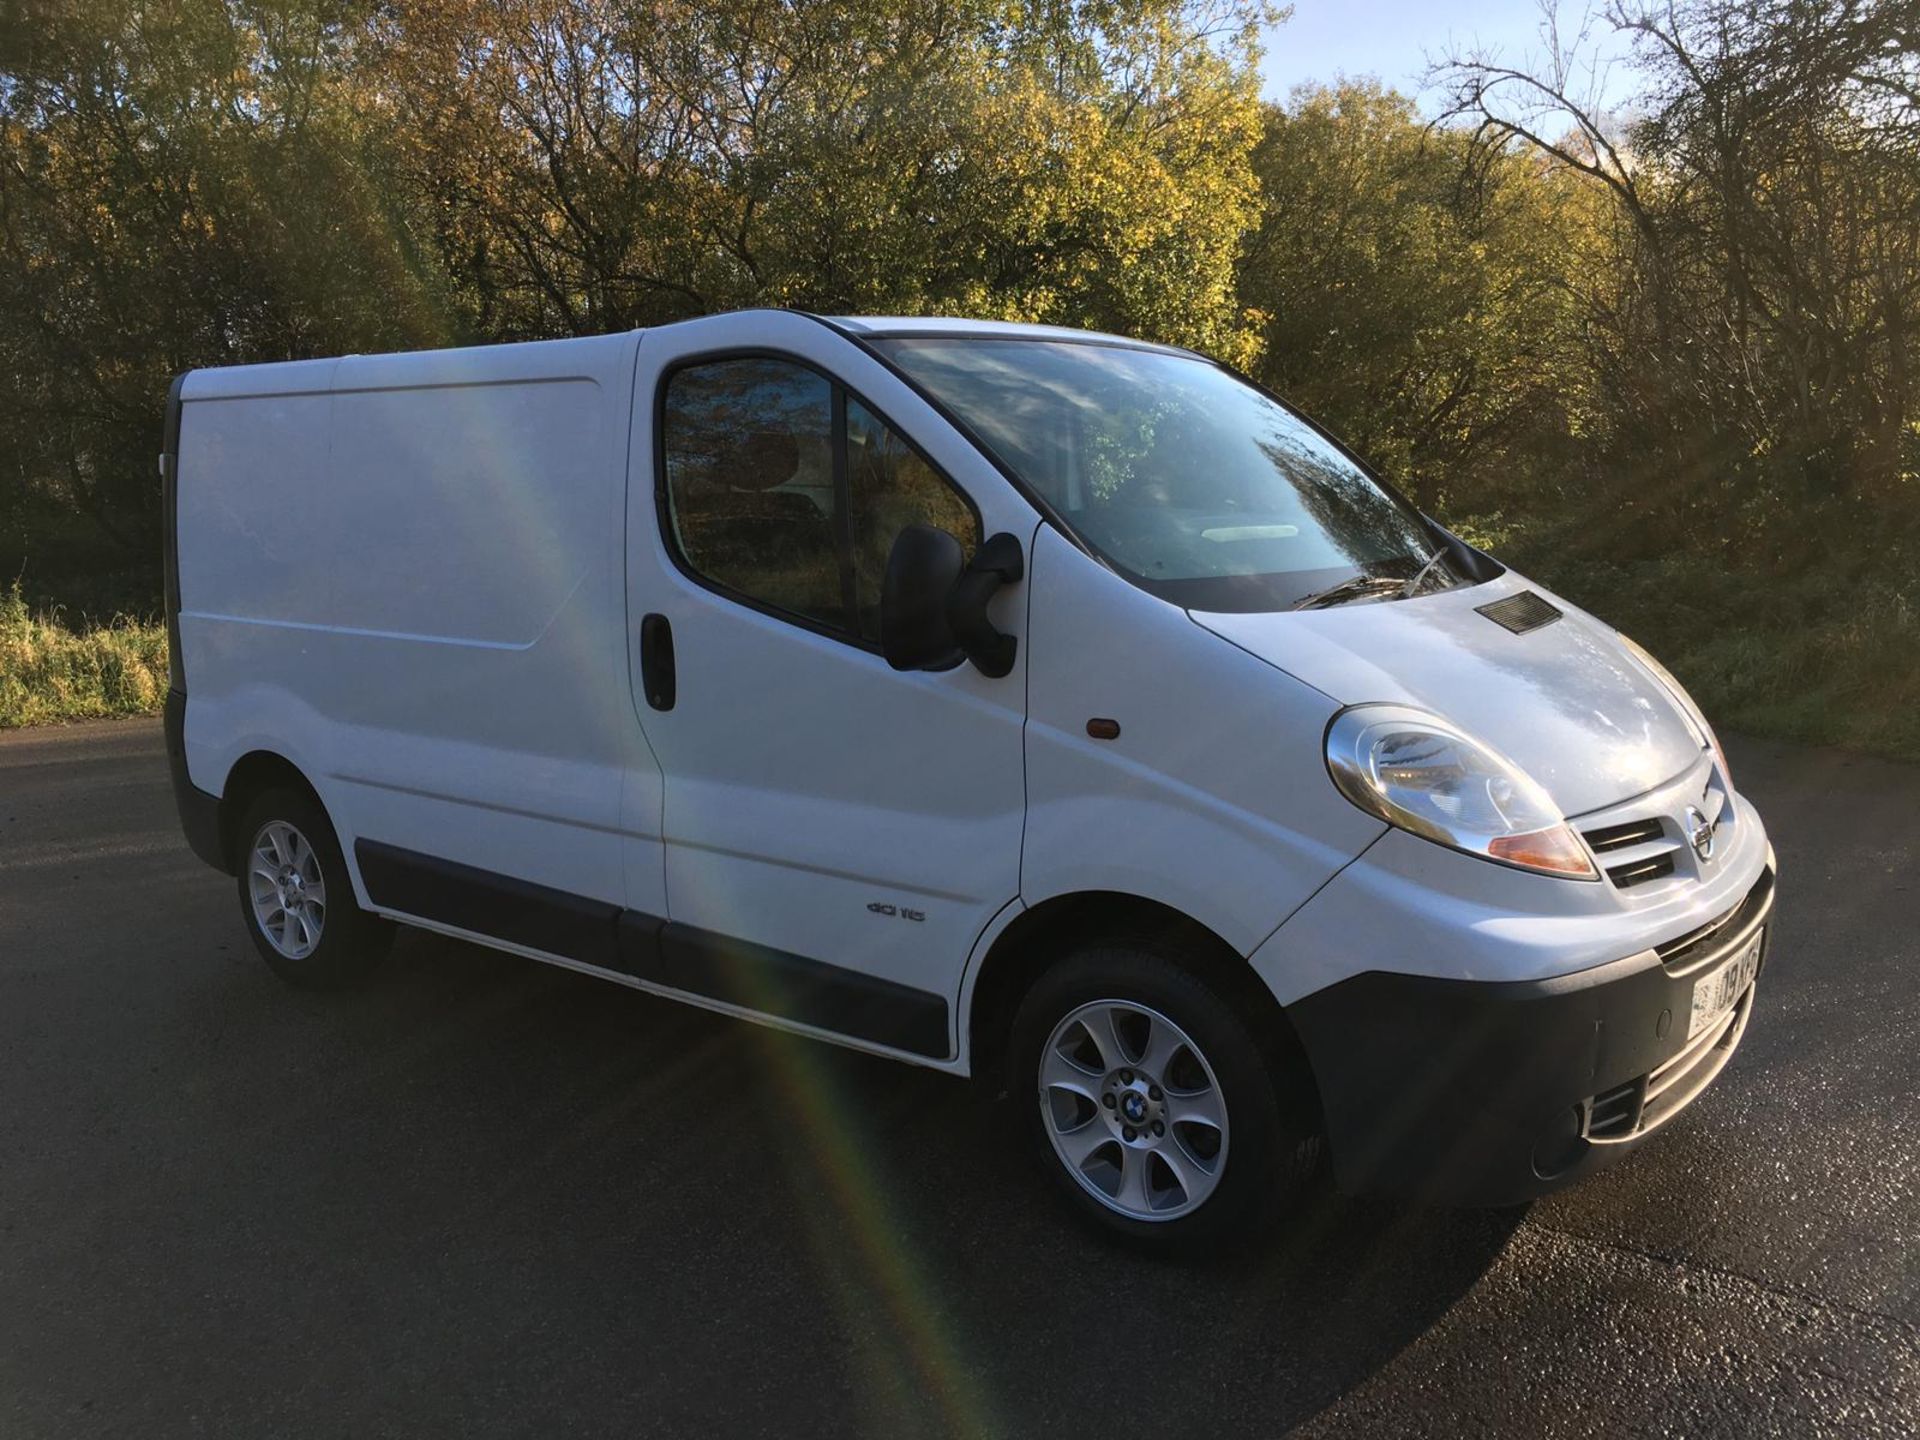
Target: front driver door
[837, 834]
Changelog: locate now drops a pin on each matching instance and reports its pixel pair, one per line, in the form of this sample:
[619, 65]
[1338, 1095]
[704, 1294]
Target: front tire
[296, 898]
[1153, 1102]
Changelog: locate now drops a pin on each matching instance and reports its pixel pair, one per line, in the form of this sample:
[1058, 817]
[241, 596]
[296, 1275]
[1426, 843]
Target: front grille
[1520, 613]
[1616, 1114]
[1618, 837]
[1648, 840]
[1639, 872]
[1640, 851]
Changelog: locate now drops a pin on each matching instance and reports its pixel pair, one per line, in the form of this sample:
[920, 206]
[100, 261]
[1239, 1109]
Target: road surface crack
[1872, 1317]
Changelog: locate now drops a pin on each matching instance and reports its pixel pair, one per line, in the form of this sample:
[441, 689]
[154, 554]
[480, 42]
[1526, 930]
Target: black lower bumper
[1478, 1093]
[199, 811]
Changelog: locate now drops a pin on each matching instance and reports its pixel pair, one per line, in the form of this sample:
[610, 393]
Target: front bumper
[1492, 1093]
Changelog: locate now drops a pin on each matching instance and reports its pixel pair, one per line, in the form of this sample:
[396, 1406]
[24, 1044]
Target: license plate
[1715, 993]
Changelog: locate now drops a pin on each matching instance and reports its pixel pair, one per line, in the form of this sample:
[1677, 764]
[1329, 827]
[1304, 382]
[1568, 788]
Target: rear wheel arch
[295, 889]
[1056, 927]
[253, 775]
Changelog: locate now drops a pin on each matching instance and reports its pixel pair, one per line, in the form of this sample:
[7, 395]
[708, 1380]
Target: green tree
[181, 184]
[594, 164]
[1413, 294]
[1756, 332]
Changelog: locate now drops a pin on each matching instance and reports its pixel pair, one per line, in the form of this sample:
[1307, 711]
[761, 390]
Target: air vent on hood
[1520, 613]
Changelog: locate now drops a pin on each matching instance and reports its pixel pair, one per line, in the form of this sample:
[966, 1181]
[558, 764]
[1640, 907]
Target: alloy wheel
[288, 892]
[1133, 1110]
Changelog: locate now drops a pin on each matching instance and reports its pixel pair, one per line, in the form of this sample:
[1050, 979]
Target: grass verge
[49, 672]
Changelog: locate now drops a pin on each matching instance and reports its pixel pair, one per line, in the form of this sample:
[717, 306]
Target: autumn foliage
[1659, 353]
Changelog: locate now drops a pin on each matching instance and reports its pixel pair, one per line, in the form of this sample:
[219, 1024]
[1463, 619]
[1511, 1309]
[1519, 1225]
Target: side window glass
[889, 488]
[751, 491]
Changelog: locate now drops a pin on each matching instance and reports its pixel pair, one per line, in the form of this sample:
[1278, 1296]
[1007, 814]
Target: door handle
[656, 661]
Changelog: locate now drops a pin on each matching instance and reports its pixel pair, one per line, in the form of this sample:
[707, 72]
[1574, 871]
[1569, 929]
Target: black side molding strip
[679, 956]
[517, 911]
[808, 992]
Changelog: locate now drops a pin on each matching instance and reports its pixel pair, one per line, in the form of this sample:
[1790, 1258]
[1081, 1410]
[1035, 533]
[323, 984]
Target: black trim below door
[681, 957]
[516, 911]
[807, 992]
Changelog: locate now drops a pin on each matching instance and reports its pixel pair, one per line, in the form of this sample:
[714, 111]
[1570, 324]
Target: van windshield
[1193, 484]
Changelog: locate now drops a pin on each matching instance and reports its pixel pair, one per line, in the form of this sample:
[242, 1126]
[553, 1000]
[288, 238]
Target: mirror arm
[997, 562]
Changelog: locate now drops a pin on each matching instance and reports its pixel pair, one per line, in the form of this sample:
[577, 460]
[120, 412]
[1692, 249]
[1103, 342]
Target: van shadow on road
[764, 1216]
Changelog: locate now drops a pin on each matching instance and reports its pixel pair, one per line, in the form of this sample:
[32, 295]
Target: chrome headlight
[1695, 716]
[1415, 771]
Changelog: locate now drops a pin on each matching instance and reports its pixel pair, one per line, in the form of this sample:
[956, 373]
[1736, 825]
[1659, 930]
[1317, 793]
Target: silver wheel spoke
[1164, 1041]
[1193, 1167]
[1183, 1169]
[1057, 1072]
[1106, 1037]
[1135, 1192]
[1077, 1145]
[1198, 1107]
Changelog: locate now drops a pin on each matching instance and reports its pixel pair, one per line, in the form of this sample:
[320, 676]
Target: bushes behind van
[49, 672]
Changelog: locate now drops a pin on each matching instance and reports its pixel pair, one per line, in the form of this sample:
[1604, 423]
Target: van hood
[1566, 701]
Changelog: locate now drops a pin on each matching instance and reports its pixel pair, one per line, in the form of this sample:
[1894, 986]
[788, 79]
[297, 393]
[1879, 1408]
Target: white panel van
[1024, 703]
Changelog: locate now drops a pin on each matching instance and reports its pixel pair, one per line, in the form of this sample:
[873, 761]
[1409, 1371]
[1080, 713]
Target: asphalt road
[482, 1196]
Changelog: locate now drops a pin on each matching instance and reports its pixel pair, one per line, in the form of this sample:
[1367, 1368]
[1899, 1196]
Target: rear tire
[1154, 1104]
[296, 898]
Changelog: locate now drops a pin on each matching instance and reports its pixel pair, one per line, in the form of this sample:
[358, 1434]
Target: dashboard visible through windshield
[1190, 482]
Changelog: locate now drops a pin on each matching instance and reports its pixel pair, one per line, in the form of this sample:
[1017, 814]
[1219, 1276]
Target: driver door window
[892, 486]
[784, 491]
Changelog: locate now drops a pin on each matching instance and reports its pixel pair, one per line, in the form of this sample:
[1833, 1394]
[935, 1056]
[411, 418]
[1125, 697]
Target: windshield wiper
[1425, 570]
[1346, 590]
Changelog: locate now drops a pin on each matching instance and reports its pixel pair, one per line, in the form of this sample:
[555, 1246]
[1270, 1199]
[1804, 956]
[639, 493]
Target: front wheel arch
[1056, 927]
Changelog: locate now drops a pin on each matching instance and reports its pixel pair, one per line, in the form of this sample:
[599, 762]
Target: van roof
[480, 363]
[470, 365]
[899, 326]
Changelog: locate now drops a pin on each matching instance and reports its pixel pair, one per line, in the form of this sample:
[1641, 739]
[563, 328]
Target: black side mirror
[922, 569]
[933, 604]
[997, 562]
